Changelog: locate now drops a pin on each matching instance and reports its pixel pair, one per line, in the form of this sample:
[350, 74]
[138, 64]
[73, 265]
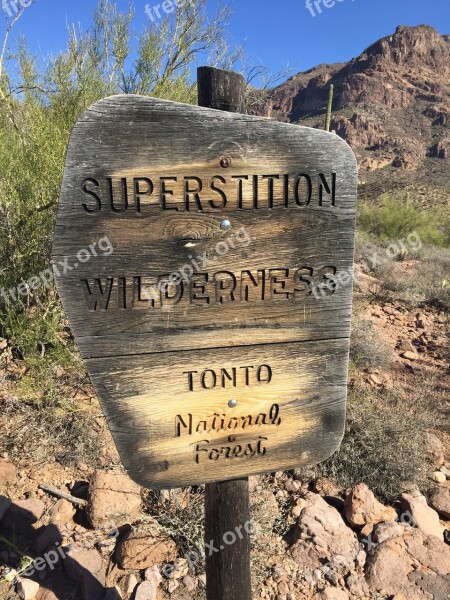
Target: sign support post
[227, 513]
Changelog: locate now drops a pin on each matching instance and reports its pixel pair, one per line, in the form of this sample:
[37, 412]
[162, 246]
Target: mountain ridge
[391, 104]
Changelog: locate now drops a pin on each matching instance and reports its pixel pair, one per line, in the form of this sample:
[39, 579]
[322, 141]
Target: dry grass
[385, 440]
[425, 283]
[180, 514]
[37, 435]
[368, 348]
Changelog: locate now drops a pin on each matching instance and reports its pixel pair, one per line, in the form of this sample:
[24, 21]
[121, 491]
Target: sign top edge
[121, 101]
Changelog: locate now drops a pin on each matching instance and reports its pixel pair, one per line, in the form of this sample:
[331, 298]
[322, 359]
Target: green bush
[395, 218]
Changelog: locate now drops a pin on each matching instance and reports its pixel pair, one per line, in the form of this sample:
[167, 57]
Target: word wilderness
[207, 289]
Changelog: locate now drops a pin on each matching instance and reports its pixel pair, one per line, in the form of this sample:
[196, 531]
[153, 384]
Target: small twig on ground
[54, 492]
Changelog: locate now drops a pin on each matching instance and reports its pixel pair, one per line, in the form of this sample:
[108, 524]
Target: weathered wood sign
[206, 269]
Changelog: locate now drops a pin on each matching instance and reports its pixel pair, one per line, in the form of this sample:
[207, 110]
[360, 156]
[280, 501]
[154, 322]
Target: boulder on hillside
[424, 517]
[413, 564]
[320, 536]
[440, 501]
[362, 508]
[440, 150]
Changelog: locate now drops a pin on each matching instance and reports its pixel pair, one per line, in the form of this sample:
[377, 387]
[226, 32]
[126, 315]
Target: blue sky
[273, 32]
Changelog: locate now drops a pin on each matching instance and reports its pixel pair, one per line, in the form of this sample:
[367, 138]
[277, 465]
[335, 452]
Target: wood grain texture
[146, 189]
[221, 90]
[143, 395]
[227, 527]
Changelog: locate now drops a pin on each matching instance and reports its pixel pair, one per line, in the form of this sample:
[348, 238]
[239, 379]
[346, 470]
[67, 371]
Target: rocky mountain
[392, 105]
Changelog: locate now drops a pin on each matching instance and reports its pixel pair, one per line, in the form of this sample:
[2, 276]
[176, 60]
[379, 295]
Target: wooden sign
[205, 266]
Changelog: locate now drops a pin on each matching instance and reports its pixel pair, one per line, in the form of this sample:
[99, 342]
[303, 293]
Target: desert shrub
[180, 514]
[368, 348]
[384, 441]
[394, 218]
[41, 340]
[425, 282]
[35, 434]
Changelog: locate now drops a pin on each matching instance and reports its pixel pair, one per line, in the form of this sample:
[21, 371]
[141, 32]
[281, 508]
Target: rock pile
[339, 546]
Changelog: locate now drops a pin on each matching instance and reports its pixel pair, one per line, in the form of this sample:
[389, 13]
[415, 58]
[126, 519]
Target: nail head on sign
[225, 224]
[232, 403]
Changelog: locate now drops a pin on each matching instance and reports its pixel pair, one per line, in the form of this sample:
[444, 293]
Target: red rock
[8, 472]
[444, 469]
[425, 518]
[130, 583]
[140, 550]
[62, 512]
[153, 574]
[320, 536]
[409, 355]
[85, 567]
[362, 508]
[27, 589]
[325, 487]
[375, 380]
[50, 535]
[22, 514]
[439, 477]
[189, 583]
[146, 591]
[414, 564]
[406, 346]
[440, 501]
[113, 499]
[357, 585]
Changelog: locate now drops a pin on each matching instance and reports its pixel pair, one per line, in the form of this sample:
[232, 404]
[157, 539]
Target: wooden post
[227, 512]
[222, 90]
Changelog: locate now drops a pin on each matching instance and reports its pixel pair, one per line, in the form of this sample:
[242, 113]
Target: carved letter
[97, 294]
[179, 422]
[98, 202]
